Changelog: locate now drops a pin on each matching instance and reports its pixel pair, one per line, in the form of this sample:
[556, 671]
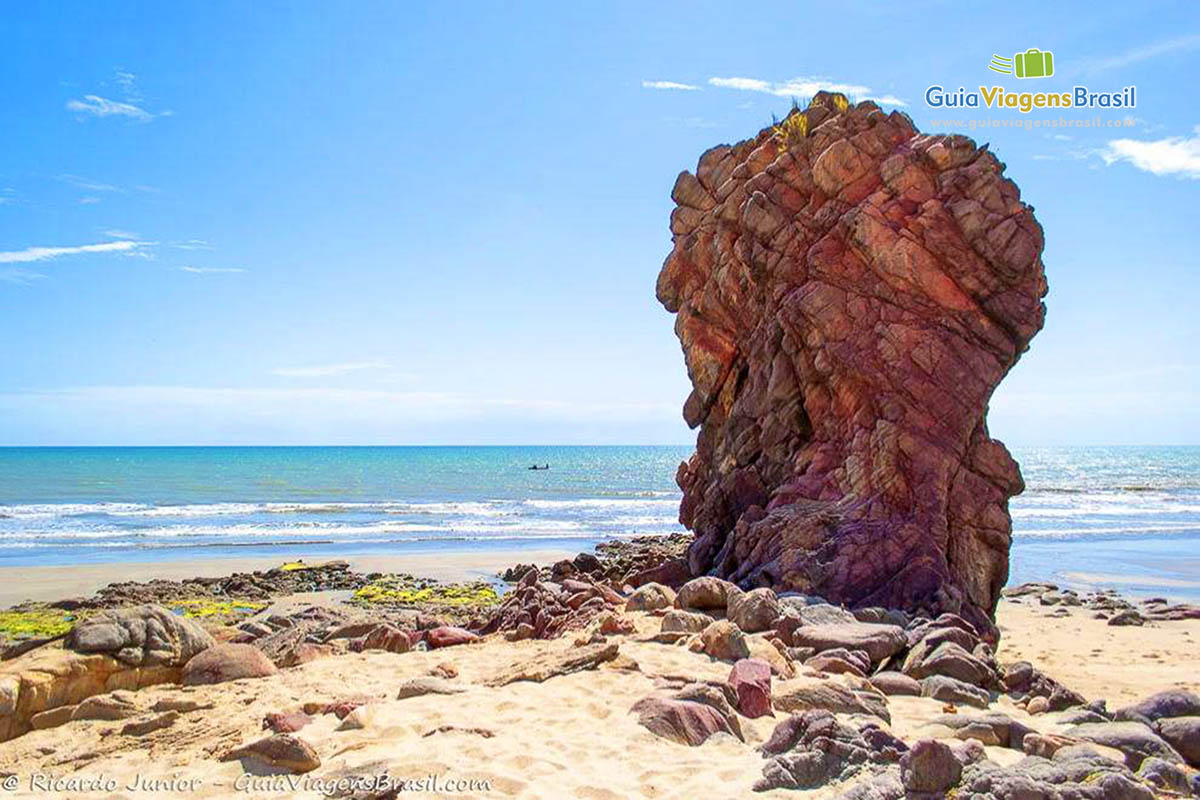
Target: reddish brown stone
[448, 636]
[750, 680]
[847, 302]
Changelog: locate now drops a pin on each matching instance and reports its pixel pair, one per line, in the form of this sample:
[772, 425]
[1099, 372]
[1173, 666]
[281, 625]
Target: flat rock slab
[878, 641]
[549, 665]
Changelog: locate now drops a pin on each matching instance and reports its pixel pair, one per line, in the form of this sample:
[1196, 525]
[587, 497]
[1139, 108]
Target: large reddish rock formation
[849, 292]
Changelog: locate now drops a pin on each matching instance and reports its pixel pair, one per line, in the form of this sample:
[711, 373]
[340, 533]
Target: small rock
[155, 723]
[282, 750]
[651, 597]
[416, 687]
[288, 722]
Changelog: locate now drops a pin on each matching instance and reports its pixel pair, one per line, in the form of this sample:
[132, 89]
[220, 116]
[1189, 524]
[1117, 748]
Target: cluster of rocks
[539, 608]
[879, 653]
[1104, 604]
[624, 562]
[258, 585]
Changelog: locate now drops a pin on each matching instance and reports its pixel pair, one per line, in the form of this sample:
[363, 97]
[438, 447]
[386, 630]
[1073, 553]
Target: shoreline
[52, 583]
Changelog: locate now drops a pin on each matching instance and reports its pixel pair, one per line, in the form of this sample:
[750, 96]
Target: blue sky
[392, 222]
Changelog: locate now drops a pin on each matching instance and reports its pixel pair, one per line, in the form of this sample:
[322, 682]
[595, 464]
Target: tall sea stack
[848, 293]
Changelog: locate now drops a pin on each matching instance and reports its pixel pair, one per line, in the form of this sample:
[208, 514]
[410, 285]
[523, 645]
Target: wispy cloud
[98, 106]
[683, 87]
[1137, 55]
[131, 105]
[1174, 155]
[32, 254]
[19, 275]
[328, 370]
[211, 270]
[87, 184]
[192, 244]
[116, 233]
[805, 87]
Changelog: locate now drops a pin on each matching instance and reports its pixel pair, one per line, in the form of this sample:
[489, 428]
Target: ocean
[1120, 517]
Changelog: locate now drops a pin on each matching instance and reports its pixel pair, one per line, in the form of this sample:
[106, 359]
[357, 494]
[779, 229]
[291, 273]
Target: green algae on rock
[34, 623]
[216, 610]
[406, 590]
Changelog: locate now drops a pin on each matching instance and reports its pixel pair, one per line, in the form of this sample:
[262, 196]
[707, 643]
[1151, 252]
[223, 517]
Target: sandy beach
[571, 735]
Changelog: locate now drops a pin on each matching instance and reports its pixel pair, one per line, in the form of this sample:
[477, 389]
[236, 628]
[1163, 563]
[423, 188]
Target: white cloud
[88, 201]
[99, 106]
[19, 275]
[1144, 53]
[192, 244]
[745, 84]
[685, 87]
[30, 254]
[210, 270]
[116, 233]
[1175, 155]
[90, 185]
[328, 370]
[805, 87]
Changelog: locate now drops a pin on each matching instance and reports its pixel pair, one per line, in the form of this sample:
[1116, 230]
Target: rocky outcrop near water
[848, 293]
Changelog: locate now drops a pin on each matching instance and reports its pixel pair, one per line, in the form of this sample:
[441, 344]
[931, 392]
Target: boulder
[563, 662]
[449, 636]
[809, 694]
[1182, 733]
[705, 594]
[877, 641]
[651, 597]
[848, 295]
[841, 661]
[227, 662]
[722, 639]
[113, 706]
[677, 621]
[754, 611]
[386, 637]
[896, 683]
[1171, 703]
[953, 661]
[750, 682]
[929, 766]
[683, 721]
[1136, 740]
[814, 748]
[147, 635]
[952, 690]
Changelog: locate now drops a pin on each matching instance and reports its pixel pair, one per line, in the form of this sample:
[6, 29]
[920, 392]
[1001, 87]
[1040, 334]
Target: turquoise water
[1089, 514]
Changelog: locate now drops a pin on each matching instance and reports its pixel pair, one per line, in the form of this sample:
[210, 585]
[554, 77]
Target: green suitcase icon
[1034, 63]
